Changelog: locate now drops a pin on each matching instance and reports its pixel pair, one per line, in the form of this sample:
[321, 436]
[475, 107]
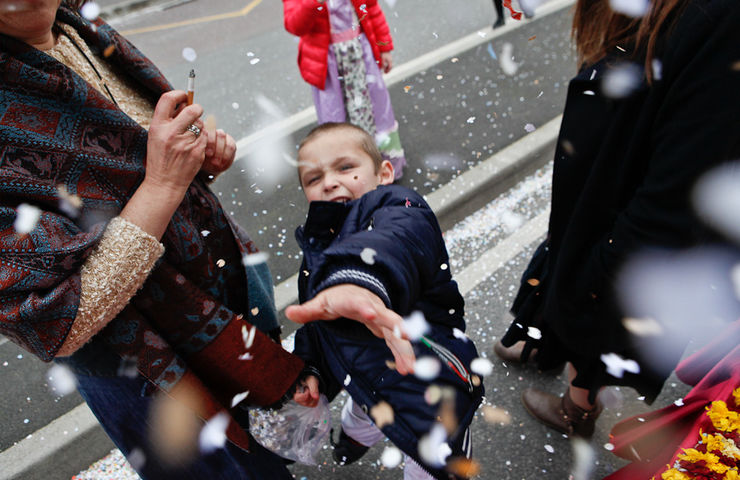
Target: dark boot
[561, 413]
[346, 449]
[513, 354]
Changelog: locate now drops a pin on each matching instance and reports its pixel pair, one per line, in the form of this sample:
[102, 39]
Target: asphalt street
[453, 114]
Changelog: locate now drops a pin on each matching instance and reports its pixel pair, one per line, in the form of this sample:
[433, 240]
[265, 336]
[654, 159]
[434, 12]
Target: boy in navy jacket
[362, 230]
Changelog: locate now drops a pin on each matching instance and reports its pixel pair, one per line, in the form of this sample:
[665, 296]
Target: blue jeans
[122, 406]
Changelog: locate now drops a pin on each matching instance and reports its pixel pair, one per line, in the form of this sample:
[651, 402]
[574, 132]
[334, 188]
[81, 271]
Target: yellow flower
[736, 394]
[723, 419]
[712, 461]
[674, 474]
[732, 475]
[718, 443]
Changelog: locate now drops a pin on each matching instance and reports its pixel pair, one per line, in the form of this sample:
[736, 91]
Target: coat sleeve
[696, 128]
[396, 254]
[300, 16]
[380, 26]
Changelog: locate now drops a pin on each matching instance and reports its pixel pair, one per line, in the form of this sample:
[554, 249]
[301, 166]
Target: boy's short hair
[367, 142]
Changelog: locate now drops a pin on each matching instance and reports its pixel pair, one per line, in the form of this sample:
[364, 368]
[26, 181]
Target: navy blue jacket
[408, 268]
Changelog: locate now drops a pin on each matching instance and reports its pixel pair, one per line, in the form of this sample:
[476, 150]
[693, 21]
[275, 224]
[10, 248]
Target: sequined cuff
[110, 277]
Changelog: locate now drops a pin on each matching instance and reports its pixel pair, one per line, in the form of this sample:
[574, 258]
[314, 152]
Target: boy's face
[333, 167]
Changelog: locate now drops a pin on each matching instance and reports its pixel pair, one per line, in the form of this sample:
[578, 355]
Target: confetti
[630, 8]
[255, 259]
[221, 263]
[189, 54]
[427, 368]
[90, 10]
[481, 366]
[643, 326]
[549, 449]
[239, 398]
[245, 356]
[205, 233]
[61, 380]
[608, 446]
[679, 402]
[507, 63]
[68, 203]
[391, 457]
[534, 332]
[415, 325]
[26, 219]
[433, 394]
[621, 80]
[495, 415]
[254, 61]
[174, 428]
[109, 50]
[616, 365]
[213, 435]
[248, 336]
[368, 256]
[583, 458]
[464, 467]
[382, 414]
[347, 380]
[529, 128]
[460, 334]
[433, 448]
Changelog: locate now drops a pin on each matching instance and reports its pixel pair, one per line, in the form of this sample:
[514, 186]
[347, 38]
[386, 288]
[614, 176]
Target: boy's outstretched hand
[307, 393]
[362, 305]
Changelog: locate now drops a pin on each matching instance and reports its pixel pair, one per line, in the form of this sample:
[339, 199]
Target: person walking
[652, 107]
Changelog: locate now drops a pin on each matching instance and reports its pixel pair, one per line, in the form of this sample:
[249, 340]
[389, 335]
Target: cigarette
[191, 87]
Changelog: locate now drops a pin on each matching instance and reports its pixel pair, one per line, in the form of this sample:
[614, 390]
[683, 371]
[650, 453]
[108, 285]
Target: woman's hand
[220, 152]
[174, 156]
[307, 393]
[360, 304]
[174, 153]
[386, 61]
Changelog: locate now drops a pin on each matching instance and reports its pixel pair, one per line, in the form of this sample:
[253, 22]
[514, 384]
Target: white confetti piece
[616, 365]
[189, 54]
[717, 197]
[255, 259]
[213, 435]
[470, 120]
[679, 402]
[246, 356]
[27, 217]
[433, 447]
[549, 449]
[481, 366]
[347, 380]
[235, 105]
[205, 233]
[368, 256]
[391, 457]
[427, 368]
[608, 446]
[382, 414]
[529, 128]
[630, 8]
[415, 325]
[657, 67]
[220, 263]
[248, 336]
[642, 326]
[254, 61]
[534, 332]
[90, 10]
[621, 80]
[589, 92]
[68, 203]
[583, 458]
[61, 380]
[460, 334]
[506, 60]
[239, 398]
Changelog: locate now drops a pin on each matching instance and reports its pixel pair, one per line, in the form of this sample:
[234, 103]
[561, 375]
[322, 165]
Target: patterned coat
[56, 130]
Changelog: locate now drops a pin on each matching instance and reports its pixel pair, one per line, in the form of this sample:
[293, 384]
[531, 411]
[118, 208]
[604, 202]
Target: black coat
[409, 272]
[622, 177]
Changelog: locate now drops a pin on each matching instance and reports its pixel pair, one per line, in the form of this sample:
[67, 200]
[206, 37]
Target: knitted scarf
[56, 130]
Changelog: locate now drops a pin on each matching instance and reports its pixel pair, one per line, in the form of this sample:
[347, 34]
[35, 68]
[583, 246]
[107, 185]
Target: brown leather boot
[513, 354]
[561, 413]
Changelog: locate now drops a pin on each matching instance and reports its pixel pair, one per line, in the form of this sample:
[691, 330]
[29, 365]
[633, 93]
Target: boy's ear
[386, 173]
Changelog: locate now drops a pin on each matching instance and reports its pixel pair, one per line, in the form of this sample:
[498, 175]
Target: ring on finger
[194, 129]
